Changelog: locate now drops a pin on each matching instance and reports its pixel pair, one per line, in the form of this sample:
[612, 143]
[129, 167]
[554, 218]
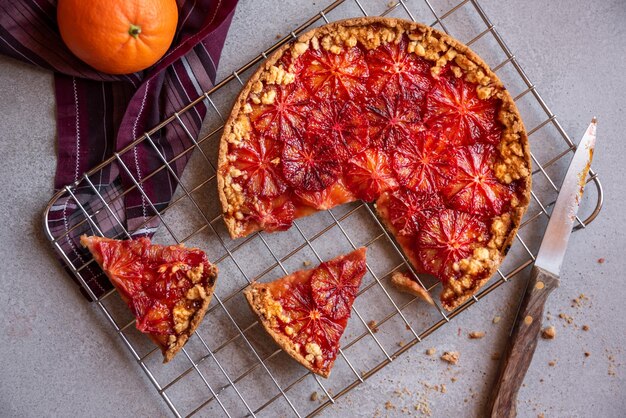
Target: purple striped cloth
[98, 114]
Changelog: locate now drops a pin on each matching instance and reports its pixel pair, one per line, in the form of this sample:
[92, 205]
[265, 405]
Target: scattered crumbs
[585, 327]
[601, 260]
[496, 319]
[566, 318]
[587, 353]
[373, 325]
[451, 357]
[579, 301]
[278, 36]
[306, 263]
[376, 413]
[495, 356]
[401, 343]
[611, 358]
[314, 396]
[540, 416]
[389, 405]
[391, 3]
[552, 363]
[453, 379]
[431, 351]
[405, 410]
[423, 407]
[476, 335]
[443, 388]
[548, 333]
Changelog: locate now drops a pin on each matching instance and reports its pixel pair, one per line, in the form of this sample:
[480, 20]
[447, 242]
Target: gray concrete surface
[59, 357]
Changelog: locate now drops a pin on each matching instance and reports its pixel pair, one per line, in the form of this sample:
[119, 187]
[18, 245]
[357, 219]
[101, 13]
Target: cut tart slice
[386, 111]
[307, 312]
[167, 288]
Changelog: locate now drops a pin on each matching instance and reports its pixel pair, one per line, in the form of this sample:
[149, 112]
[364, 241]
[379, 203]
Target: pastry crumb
[566, 318]
[585, 327]
[453, 379]
[451, 357]
[431, 351]
[314, 396]
[405, 284]
[548, 333]
[552, 363]
[373, 326]
[391, 3]
[601, 260]
[496, 319]
[476, 335]
[306, 263]
[389, 405]
[401, 344]
[587, 353]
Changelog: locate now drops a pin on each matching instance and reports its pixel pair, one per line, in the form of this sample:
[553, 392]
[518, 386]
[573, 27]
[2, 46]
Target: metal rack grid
[229, 365]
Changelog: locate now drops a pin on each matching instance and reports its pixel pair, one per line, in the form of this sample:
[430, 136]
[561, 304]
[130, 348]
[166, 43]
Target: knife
[543, 280]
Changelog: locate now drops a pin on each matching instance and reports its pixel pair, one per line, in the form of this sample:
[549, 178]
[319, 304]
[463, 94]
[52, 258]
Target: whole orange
[118, 36]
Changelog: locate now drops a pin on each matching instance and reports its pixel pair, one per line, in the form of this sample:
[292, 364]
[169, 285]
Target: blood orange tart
[168, 289]
[386, 111]
[307, 312]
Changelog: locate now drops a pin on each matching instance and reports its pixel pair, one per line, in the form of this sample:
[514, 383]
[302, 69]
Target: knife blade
[544, 278]
[555, 239]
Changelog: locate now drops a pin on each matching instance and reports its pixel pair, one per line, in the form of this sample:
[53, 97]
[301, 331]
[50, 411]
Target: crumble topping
[181, 315]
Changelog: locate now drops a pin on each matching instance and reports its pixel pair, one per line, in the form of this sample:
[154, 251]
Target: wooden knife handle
[521, 345]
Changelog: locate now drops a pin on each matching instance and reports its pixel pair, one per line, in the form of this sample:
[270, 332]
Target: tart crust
[513, 163]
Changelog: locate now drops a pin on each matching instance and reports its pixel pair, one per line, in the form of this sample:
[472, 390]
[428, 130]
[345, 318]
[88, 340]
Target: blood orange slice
[393, 70]
[407, 210]
[335, 283]
[168, 289]
[418, 162]
[454, 109]
[310, 164]
[368, 174]
[328, 75]
[446, 238]
[258, 163]
[392, 119]
[343, 124]
[473, 187]
[307, 312]
[283, 117]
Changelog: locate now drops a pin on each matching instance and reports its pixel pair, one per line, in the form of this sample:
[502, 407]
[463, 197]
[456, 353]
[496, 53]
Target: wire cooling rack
[229, 365]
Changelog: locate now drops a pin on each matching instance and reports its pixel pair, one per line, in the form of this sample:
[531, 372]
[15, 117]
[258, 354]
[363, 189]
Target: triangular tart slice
[167, 288]
[307, 311]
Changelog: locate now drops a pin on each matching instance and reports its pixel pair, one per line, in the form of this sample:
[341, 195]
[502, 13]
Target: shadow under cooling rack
[229, 365]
